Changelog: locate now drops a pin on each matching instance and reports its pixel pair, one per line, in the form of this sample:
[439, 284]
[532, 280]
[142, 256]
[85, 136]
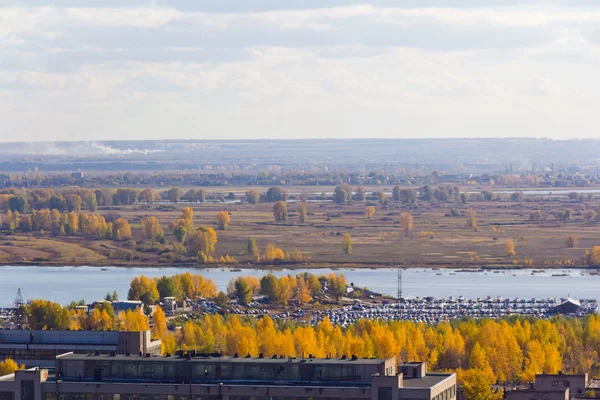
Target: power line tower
[399, 294]
[19, 312]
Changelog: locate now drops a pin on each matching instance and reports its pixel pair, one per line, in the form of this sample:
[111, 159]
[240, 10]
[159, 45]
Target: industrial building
[555, 387]
[40, 348]
[212, 377]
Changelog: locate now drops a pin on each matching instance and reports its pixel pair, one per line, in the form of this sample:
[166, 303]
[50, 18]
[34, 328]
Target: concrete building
[205, 377]
[40, 348]
[554, 387]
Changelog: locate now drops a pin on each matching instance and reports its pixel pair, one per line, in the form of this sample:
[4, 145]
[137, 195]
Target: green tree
[180, 233]
[269, 286]
[361, 194]
[252, 247]
[167, 287]
[243, 290]
[396, 193]
[17, 203]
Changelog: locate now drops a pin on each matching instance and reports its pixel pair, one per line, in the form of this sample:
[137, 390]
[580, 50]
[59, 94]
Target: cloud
[542, 86]
[243, 68]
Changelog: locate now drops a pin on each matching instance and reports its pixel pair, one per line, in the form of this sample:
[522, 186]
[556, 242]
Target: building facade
[206, 377]
[40, 348]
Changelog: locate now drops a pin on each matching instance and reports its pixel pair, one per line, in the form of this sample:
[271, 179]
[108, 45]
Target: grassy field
[436, 239]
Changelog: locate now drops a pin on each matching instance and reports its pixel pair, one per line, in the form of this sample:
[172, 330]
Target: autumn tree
[509, 248]
[381, 197]
[252, 196]
[369, 212]
[302, 212]
[73, 202]
[571, 241]
[202, 240]
[147, 196]
[8, 366]
[42, 314]
[121, 229]
[133, 321]
[347, 243]
[477, 385]
[223, 220]
[150, 227]
[472, 220]
[159, 328]
[280, 211]
[273, 253]
[143, 289]
[406, 223]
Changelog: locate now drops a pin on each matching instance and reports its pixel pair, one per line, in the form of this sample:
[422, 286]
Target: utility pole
[399, 294]
[19, 312]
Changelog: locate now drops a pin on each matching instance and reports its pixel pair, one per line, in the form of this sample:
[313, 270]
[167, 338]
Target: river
[63, 284]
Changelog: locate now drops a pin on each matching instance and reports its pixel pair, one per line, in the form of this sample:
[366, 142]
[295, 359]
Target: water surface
[63, 284]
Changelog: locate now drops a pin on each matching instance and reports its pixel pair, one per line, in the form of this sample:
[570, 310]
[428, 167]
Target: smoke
[107, 150]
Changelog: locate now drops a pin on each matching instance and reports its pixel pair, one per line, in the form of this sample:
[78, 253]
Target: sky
[239, 69]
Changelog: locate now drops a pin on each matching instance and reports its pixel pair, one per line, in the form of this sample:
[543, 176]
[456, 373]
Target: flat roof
[427, 381]
[223, 359]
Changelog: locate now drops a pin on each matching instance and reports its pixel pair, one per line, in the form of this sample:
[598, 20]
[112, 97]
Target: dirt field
[436, 238]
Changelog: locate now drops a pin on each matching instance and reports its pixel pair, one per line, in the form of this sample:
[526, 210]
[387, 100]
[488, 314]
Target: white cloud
[268, 68]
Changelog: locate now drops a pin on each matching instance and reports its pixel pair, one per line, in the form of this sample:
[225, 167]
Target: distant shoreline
[300, 266]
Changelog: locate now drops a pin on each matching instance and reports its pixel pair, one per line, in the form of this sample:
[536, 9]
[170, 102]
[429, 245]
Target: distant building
[569, 306]
[554, 387]
[77, 175]
[123, 305]
[169, 303]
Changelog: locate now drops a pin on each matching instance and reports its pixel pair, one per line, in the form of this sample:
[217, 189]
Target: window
[554, 383]
[566, 383]
[384, 393]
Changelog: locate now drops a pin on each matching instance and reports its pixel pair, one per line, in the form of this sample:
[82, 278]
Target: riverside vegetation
[443, 225]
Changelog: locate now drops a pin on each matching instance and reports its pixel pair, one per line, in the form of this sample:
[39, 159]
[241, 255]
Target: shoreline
[299, 266]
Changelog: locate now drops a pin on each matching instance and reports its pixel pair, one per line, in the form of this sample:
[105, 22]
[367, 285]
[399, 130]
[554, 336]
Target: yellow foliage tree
[406, 223]
[509, 248]
[369, 212]
[133, 321]
[347, 243]
[150, 227]
[8, 366]
[223, 220]
[121, 229]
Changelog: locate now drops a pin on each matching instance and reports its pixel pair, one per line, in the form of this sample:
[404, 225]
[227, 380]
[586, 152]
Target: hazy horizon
[266, 69]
